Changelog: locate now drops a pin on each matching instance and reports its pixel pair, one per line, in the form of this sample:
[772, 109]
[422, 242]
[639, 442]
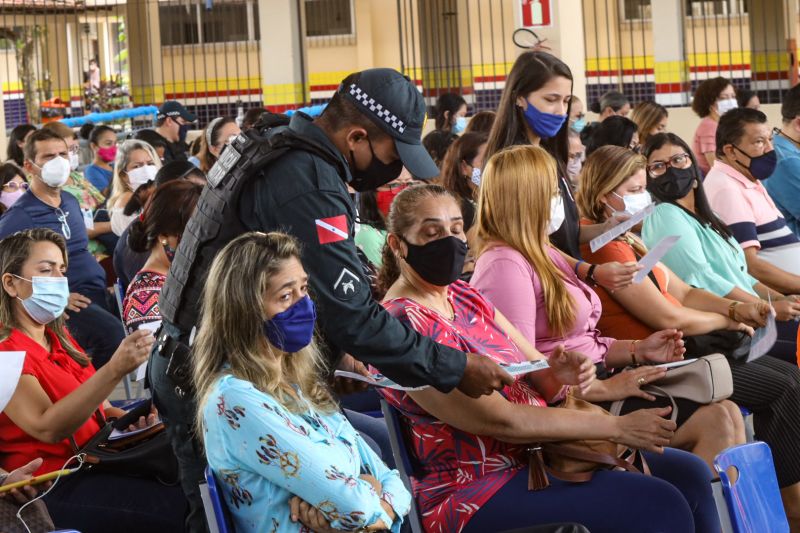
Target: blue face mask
[48, 300]
[292, 330]
[460, 125]
[579, 124]
[545, 125]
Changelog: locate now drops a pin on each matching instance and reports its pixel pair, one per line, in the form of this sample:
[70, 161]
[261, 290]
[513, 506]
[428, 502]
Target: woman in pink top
[532, 284]
[711, 100]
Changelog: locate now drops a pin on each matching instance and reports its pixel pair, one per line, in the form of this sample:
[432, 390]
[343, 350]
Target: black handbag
[147, 454]
[734, 345]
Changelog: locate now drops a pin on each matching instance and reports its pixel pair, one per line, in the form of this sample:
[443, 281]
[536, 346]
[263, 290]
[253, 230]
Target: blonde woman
[651, 118]
[273, 435]
[530, 282]
[137, 164]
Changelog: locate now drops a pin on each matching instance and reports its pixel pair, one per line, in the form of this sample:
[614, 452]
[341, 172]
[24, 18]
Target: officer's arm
[347, 314]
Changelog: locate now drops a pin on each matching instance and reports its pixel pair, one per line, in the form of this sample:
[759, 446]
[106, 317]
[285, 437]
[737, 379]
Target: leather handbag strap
[616, 406]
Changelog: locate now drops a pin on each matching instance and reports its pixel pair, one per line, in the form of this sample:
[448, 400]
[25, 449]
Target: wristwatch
[590, 277]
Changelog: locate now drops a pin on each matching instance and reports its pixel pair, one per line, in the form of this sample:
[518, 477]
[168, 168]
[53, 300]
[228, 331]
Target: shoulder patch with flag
[332, 229]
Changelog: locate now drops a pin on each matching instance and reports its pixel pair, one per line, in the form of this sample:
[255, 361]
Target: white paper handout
[152, 327]
[651, 258]
[10, 372]
[764, 338]
[676, 364]
[379, 380]
[601, 240]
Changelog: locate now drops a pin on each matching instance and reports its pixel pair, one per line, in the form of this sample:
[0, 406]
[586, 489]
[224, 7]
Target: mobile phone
[36, 480]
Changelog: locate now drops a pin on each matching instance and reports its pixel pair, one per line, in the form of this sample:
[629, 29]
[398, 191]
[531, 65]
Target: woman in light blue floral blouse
[286, 456]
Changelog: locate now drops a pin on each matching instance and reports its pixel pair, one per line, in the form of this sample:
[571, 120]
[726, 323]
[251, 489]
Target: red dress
[459, 471]
[59, 375]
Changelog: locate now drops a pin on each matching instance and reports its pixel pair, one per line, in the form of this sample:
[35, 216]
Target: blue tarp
[111, 116]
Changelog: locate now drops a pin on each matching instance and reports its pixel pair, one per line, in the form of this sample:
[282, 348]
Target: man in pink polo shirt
[745, 157]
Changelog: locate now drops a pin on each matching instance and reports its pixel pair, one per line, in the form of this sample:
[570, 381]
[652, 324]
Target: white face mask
[557, 214]
[139, 176]
[635, 202]
[574, 168]
[74, 161]
[476, 177]
[55, 172]
[723, 106]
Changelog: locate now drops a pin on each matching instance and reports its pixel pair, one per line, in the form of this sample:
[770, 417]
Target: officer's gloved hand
[482, 376]
[344, 386]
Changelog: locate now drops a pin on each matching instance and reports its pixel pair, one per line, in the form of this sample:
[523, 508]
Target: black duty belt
[179, 368]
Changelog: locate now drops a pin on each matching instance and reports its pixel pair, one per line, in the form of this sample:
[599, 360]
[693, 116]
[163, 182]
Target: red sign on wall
[536, 13]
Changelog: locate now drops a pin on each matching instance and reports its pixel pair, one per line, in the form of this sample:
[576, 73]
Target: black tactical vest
[215, 221]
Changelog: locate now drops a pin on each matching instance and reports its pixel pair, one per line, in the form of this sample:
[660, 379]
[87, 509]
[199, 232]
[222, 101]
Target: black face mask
[183, 131]
[673, 185]
[376, 174]
[438, 262]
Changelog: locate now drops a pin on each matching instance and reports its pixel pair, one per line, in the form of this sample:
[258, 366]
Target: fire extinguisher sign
[536, 13]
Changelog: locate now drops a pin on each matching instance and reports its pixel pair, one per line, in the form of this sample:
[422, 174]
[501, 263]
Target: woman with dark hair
[16, 142]
[533, 110]
[451, 113]
[616, 131]
[711, 100]
[218, 134]
[747, 98]
[437, 143]
[373, 208]
[103, 142]
[612, 103]
[481, 122]
[157, 231]
[14, 185]
[461, 176]
[651, 118]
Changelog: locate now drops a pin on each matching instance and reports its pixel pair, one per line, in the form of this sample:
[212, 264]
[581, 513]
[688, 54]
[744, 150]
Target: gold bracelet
[633, 352]
[732, 311]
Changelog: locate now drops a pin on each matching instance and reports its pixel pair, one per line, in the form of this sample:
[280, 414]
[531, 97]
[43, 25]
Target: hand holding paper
[651, 259]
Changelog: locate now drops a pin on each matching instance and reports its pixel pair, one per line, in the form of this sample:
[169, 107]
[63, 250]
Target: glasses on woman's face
[635, 147]
[14, 186]
[658, 168]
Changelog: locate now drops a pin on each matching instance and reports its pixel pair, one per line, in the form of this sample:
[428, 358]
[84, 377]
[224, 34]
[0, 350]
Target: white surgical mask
[557, 214]
[574, 168]
[139, 176]
[476, 177]
[723, 106]
[74, 161]
[55, 172]
[636, 202]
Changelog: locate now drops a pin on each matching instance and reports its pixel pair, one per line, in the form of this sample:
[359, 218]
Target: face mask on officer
[376, 173]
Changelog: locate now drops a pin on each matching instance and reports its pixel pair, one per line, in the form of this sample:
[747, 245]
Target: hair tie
[141, 217]
[210, 130]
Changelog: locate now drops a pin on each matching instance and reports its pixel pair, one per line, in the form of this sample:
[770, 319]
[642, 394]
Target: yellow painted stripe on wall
[284, 94]
[213, 84]
[617, 63]
[671, 71]
[738, 57]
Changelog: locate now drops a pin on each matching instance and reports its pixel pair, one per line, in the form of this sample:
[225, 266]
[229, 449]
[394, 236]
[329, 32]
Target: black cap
[395, 104]
[174, 109]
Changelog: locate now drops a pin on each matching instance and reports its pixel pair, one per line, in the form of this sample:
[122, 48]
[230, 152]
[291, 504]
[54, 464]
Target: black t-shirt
[566, 238]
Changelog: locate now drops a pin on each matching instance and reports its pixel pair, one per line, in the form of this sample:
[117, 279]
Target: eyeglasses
[636, 147]
[62, 217]
[14, 186]
[578, 156]
[74, 149]
[579, 116]
[676, 161]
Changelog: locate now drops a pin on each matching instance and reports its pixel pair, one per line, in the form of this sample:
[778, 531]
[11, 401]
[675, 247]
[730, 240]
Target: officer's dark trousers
[179, 415]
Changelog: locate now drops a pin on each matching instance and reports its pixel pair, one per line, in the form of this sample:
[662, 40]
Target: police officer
[370, 129]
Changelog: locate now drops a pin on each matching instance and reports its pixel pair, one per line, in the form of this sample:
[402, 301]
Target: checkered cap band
[376, 108]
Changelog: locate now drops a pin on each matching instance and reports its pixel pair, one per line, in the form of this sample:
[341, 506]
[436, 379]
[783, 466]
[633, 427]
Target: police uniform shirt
[305, 196]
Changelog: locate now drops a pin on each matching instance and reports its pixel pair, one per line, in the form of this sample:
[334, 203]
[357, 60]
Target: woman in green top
[707, 255]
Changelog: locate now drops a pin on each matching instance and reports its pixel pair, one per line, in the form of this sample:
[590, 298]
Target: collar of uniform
[731, 172]
[304, 125]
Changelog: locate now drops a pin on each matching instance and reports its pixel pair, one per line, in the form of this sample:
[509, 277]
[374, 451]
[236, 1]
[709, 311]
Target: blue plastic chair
[754, 499]
[222, 516]
[403, 461]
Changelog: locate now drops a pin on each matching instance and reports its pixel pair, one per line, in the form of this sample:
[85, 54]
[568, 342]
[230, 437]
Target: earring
[164, 242]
